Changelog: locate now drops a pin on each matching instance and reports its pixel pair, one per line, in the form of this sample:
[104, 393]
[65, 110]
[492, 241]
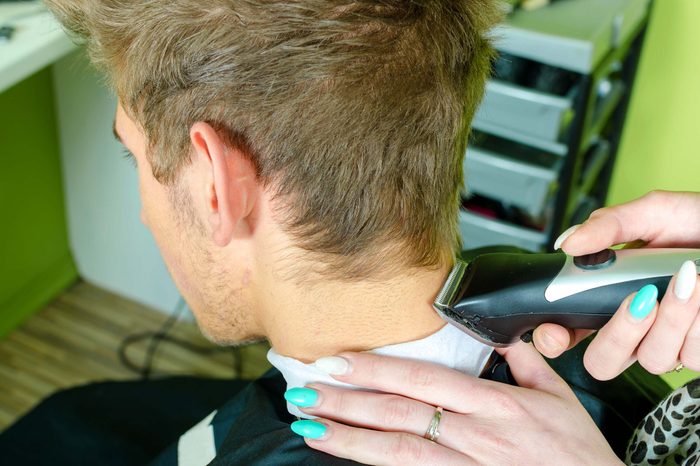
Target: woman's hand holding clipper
[658, 335]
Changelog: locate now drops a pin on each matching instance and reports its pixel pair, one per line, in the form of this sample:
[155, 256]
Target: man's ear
[230, 186]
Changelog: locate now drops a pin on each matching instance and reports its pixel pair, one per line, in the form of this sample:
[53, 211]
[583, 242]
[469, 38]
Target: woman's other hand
[661, 335]
[483, 423]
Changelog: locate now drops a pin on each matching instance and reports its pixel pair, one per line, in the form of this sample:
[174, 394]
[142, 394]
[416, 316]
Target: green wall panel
[36, 263]
[659, 148]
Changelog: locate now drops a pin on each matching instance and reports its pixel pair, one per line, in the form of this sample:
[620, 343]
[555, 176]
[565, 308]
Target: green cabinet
[36, 263]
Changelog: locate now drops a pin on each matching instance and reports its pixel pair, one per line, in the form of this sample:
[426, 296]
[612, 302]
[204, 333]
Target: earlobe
[218, 234]
[230, 183]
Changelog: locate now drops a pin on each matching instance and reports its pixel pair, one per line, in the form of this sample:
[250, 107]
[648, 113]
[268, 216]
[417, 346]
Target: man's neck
[310, 322]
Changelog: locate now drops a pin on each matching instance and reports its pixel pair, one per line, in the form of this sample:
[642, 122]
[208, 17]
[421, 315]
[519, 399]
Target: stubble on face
[223, 313]
[216, 289]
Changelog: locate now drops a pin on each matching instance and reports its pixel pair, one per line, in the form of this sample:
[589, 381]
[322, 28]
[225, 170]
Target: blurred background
[592, 102]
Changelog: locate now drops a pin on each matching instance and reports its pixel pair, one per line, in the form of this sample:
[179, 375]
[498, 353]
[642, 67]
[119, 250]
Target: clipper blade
[446, 296]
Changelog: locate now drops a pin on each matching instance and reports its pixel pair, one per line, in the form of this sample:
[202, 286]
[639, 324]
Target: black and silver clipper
[500, 297]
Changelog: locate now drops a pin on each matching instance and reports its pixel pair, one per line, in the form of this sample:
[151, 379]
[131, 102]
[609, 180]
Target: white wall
[111, 247]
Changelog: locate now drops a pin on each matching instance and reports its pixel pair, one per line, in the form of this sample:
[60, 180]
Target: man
[297, 158]
[300, 167]
[300, 162]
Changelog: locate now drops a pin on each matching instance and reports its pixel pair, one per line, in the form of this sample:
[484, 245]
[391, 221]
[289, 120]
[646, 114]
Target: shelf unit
[547, 132]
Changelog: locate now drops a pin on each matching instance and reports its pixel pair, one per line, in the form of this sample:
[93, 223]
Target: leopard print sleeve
[669, 435]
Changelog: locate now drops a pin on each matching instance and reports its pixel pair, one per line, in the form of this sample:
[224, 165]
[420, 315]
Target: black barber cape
[143, 422]
[253, 429]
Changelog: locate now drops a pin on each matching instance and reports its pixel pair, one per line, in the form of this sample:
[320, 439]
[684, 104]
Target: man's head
[310, 138]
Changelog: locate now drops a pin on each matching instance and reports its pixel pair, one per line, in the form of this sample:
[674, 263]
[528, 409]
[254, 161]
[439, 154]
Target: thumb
[551, 340]
[531, 370]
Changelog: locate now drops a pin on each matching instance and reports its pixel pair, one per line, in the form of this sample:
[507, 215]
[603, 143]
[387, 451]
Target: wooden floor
[75, 340]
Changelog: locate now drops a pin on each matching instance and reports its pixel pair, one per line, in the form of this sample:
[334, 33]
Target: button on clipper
[595, 261]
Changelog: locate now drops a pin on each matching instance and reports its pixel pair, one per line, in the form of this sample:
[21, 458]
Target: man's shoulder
[252, 428]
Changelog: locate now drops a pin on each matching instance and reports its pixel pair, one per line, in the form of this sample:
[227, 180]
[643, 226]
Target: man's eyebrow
[114, 131]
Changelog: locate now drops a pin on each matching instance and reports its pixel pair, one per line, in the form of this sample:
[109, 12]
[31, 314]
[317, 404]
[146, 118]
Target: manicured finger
[381, 411]
[552, 340]
[603, 229]
[378, 411]
[435, 385]
[612, 350]
[690, 354]
[633, 221]
[380, 448]
[660, 350]
[530, 370]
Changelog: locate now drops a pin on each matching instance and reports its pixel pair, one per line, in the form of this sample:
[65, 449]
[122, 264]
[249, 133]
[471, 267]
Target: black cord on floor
[157, 337]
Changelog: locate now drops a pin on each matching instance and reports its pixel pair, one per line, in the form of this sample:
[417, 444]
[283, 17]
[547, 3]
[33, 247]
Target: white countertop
[37, 41]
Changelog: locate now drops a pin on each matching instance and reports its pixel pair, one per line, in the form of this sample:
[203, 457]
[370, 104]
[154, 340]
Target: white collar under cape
[448, 346]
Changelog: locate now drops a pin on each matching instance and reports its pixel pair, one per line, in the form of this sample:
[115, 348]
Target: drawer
[508, 110]
[576, 35]
[478, 231]
[513, 174]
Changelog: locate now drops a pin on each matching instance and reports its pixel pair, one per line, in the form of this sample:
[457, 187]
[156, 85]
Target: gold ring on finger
[433, 433]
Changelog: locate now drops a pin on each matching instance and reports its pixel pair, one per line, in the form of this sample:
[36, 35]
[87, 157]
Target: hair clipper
[500, 297]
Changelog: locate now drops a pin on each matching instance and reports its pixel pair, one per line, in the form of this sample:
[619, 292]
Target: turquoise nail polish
[301, 396]
[309, 429]
[644, 301]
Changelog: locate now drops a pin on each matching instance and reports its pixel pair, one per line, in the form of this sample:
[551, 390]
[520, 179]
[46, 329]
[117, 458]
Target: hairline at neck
[330, 317]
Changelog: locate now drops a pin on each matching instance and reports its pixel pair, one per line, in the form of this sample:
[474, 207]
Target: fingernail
[548, 342]
[309, 429]
[644, 301]
[563, 237]
[301, 396]
[333, 365]
[685, 281]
